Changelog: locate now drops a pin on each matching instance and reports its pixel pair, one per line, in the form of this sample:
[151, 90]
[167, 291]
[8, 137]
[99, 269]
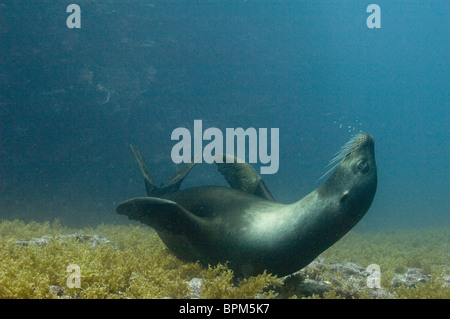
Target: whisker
[343, 151]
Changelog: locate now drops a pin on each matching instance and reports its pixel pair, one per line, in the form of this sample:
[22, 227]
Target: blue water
[72, 100]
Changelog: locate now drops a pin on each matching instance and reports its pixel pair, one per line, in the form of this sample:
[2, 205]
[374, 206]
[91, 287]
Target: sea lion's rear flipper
[180, 174]
[161, 214]
[148, 180]
[174, 183]
[241, 176]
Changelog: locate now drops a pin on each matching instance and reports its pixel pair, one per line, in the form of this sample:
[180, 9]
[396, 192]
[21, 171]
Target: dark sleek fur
[245, 227]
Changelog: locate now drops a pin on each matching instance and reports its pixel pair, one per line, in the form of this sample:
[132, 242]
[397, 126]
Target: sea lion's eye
[363, 166]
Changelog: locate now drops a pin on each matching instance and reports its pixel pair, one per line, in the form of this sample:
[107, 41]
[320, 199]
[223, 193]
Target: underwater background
[72, 100]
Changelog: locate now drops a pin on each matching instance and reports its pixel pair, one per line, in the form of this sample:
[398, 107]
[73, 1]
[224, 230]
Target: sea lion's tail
[171, 187]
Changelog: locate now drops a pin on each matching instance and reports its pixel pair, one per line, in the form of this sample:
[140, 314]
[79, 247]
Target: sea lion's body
[254, 233]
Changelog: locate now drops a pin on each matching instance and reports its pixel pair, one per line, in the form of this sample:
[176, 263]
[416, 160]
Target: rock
[348, 269]
[446, 280]
[309, 287]
[195, 285]
[61, 292]
[57, 290]
[348, 280]
[410, 278]
[95, 240]
[35, 241]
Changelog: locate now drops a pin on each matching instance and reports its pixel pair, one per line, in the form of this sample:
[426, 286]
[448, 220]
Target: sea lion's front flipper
[161, 214]
[241, 176]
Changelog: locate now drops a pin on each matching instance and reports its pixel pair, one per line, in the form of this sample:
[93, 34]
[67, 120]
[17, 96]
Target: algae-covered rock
[446, 279]
[323, 279]
[95, 240]
[195, 286]
[410, 278]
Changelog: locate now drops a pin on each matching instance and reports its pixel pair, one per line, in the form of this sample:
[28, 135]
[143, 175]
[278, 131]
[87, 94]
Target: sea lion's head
[355, 179]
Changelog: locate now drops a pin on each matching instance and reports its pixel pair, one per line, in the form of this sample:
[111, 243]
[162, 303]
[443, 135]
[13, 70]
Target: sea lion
[245, 226]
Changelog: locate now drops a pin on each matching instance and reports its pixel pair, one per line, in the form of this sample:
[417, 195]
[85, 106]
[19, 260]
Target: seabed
[49, 260]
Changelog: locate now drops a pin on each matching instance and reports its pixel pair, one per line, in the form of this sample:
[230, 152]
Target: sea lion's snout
[362, 141]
